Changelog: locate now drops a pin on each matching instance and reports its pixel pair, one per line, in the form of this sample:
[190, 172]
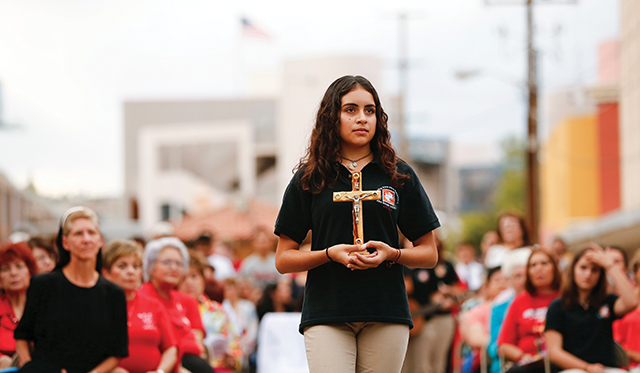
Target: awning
[620, 228]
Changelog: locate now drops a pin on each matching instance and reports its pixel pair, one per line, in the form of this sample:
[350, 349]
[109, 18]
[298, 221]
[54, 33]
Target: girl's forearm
[627, 300]
[566, 360]
[423, 254]
[294, 260]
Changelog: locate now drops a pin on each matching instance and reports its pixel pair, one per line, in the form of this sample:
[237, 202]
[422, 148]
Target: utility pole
[533, 193]
[532, 143]
[403, 83]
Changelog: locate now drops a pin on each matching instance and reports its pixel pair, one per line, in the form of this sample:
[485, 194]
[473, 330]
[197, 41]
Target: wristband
[159, 371]
[326, 251]
[395, 260]
[392, 262]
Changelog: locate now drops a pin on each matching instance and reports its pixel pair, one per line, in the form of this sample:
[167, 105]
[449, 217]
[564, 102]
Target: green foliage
[513, 153]
[475, 225]
[511, 192]
[510, 195]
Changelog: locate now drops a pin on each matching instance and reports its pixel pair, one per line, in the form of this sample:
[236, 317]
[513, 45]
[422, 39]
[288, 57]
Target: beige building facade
[630, 103]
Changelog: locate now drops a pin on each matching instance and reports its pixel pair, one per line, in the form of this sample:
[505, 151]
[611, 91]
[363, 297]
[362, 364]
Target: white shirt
[223, 266]
[495, 256]
[471, 274]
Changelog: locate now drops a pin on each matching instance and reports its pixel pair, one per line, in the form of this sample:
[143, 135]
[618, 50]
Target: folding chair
[622, 359]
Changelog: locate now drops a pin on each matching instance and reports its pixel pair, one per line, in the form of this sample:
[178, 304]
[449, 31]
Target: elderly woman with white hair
[165, 262]
[514, 269]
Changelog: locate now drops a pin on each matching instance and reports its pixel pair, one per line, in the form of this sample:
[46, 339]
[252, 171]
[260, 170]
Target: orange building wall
[570, 174]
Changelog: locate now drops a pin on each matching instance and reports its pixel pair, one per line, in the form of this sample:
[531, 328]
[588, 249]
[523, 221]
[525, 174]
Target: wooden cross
[356, 196]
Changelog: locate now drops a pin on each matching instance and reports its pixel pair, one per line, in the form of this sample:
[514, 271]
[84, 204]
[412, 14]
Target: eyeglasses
[42, 258]
[168, 263]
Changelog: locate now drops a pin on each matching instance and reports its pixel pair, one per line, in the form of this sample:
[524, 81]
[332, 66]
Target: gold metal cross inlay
[356, 196]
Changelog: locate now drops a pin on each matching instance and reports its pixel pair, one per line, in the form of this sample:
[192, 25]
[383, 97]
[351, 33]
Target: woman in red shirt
[17, 265]
[627, 330]
[152, 346]
[165, 263]
[520, 339]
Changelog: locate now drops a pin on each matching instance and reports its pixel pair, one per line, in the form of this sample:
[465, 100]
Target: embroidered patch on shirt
[604, 312]
[389, 197]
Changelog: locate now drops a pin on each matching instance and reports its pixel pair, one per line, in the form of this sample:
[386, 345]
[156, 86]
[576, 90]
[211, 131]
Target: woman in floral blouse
[223, 338]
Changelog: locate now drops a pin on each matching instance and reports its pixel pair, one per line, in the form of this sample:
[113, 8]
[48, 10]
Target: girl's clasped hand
[350, 255]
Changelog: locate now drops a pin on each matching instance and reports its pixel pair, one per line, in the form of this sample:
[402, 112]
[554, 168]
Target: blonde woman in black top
[76, 318]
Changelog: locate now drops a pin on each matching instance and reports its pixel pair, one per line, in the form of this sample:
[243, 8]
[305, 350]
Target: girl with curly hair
[355, 315]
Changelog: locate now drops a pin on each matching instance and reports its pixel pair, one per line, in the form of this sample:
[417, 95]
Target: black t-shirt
[334, 293]
[426, 281]
[73, 327]
[586, 334]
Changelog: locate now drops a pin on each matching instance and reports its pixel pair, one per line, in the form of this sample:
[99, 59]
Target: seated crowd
[523, 308]
[181, 314]
[194, 307]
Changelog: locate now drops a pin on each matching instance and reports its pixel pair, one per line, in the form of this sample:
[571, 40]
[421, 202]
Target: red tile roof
[230, 223]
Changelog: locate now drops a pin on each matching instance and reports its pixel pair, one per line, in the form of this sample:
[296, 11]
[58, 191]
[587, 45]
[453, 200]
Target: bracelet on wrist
[159, 371]
[395, 260]
[326, 251]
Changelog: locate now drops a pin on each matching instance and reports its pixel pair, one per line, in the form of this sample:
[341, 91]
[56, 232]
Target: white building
[191, 156]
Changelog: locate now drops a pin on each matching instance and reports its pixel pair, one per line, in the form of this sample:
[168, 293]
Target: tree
[510, 195]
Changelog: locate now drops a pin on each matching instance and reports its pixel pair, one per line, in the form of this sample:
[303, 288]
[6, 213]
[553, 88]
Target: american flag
[251, 31]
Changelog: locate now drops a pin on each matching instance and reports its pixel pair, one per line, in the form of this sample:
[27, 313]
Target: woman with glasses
[165, 263]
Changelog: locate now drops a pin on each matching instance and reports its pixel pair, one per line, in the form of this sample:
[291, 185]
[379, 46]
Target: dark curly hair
[319, 166]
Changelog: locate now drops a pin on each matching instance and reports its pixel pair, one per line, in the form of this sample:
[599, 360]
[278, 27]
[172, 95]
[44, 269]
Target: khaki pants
[428, 351]
[361, 347]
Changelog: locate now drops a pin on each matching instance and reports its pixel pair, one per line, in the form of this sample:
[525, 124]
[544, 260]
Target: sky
[67, 66]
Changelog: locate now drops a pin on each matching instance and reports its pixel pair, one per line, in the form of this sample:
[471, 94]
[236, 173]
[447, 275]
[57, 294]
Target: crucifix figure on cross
[356, 196]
